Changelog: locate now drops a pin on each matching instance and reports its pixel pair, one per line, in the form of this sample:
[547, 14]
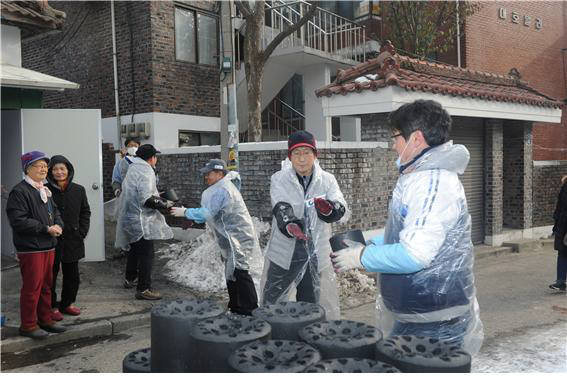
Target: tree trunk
[254, 68]
[254, 78]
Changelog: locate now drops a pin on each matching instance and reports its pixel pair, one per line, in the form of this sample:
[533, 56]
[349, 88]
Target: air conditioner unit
[143, 129]
[131, 129]
[124, 130]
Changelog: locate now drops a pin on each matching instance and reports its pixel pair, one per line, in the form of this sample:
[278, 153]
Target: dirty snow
[196, 264]
[355, 288]
[537, 350]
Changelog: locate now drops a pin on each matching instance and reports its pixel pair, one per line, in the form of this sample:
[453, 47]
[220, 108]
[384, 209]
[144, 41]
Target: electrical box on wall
[140, 130]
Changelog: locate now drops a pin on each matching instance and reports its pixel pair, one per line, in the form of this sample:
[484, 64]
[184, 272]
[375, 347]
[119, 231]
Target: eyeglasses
[396, 135]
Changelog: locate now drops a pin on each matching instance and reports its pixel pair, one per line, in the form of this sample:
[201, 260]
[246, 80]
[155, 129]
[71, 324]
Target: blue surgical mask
[399, 160]
[399, 163]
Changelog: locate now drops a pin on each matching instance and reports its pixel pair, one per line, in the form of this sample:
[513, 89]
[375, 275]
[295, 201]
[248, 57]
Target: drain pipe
[114, 63]
[458, 36]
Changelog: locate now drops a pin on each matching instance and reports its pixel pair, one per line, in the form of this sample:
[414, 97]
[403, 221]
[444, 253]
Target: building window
[195, 37]
[194, 138]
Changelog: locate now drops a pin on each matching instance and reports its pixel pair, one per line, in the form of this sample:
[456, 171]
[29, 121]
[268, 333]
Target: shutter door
[470, 133]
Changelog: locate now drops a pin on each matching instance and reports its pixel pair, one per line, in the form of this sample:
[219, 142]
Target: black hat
[214, 164]
[301, 139]
[146, 151]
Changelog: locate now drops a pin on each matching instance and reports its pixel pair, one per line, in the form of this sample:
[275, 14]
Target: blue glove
[199, 215]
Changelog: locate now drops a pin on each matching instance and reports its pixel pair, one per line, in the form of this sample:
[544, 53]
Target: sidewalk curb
[105, 327]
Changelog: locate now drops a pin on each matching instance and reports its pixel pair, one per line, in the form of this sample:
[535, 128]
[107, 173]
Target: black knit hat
[301, 139]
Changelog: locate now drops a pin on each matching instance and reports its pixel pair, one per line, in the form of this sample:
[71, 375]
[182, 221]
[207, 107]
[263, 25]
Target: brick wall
[547, 179]
[179, 86]
[374, 127]
[82, 53]
[497, 45]
[517, 175]
[365, 176]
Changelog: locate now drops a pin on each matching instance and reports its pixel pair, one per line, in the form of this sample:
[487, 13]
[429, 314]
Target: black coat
[30, 217]
[75, 211]
[560, 221]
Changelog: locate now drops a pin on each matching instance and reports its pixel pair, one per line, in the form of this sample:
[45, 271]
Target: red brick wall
[178, 86]
[82, 53]
[497, 45]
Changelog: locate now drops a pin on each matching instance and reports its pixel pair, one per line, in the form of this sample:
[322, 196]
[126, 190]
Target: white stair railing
[326, 31]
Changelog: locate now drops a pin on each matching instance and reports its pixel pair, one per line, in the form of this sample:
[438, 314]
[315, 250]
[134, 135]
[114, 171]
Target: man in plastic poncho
[121, 167]
[305, 201]
[224, 211]
[425, 257]
[140, 222]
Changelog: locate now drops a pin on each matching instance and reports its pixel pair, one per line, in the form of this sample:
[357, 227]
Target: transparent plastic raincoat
[429, 220]
[134, 219]
[285, 187]
[232, 226]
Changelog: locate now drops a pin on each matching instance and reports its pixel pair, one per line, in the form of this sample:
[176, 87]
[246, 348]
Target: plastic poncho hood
[135, 220]
[428, 215]
[232, 226]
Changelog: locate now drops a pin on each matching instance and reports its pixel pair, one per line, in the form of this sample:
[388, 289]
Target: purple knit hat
[31, 157]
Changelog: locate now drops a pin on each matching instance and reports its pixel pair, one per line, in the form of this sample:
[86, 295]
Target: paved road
[525, 324]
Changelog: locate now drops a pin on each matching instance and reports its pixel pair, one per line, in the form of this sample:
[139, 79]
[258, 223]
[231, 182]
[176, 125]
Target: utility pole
[228, 118]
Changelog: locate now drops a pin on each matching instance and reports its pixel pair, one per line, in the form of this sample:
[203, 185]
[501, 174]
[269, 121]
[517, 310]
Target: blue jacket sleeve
[199, 215]
[389, 259]
[116, 173]
[378, 240]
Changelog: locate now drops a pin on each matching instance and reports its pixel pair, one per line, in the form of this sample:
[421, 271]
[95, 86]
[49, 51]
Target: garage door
[470, 133]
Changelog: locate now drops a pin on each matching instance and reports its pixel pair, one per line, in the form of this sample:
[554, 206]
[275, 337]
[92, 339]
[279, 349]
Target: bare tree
[255, 56]
[424, 27]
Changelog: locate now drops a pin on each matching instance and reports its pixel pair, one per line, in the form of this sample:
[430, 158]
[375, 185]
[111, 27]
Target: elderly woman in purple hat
[36, 224]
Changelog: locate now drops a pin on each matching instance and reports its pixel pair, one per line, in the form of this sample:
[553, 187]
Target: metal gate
[470, 133]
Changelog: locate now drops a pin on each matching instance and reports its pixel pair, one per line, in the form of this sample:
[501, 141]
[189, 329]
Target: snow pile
[537, 350]
[355, 288]
[197, 265]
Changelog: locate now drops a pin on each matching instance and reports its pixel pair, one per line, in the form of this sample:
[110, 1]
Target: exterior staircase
[327, 39]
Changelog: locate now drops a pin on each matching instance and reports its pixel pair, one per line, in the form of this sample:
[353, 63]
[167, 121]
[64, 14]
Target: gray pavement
[512, 294]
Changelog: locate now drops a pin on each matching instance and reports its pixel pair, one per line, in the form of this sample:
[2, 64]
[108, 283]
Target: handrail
[327, 31]
[290, 107]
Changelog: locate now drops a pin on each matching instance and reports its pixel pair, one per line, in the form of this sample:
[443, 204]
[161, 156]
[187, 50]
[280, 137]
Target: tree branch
[284, 34]
[243, 7]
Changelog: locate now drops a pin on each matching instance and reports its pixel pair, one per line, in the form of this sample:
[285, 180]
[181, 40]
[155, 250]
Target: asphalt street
[525, 324]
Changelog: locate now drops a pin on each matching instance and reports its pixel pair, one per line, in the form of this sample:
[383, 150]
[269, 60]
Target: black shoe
[53, 327]
[130, 283]
[558, 286]
[34, 334]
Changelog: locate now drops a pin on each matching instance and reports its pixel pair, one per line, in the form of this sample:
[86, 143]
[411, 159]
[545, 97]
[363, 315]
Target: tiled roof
[390, 68]
[37, 13]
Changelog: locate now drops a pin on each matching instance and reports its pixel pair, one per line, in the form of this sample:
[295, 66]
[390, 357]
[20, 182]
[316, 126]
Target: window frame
[195, 12]
[199, 133]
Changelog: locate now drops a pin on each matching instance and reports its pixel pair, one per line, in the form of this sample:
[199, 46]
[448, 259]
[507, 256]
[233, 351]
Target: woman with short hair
[36, 223]
[71, 199]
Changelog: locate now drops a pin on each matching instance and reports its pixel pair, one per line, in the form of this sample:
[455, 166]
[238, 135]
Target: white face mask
[399, 160]
[132, 151]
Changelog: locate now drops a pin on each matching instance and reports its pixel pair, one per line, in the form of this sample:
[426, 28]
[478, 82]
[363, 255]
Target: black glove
[155, 202]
